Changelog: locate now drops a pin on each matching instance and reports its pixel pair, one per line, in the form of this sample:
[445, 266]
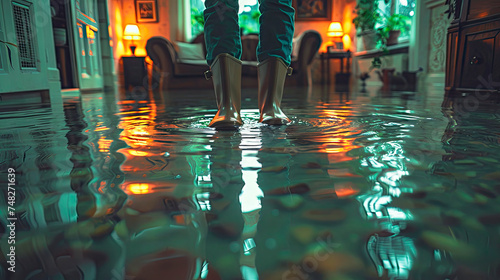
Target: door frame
[85, 85]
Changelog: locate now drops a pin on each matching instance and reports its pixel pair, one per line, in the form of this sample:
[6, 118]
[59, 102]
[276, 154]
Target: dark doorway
[63, 40]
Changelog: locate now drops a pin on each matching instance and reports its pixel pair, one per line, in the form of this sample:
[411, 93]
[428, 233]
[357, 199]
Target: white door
[87, 45]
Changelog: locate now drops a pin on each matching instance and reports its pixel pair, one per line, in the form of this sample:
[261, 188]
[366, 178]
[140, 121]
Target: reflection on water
[359, 186]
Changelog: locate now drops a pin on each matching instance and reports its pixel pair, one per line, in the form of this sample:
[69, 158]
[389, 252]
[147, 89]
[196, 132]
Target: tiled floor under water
[366, 185]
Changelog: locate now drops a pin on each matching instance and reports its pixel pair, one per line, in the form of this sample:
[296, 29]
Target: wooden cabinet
[473, 47]
[481, 56]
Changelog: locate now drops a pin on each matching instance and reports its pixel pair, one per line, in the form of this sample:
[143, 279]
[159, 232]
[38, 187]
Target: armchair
[172, 72]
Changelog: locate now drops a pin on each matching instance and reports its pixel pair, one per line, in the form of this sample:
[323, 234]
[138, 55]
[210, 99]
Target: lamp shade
[132, 32]
[335, 30]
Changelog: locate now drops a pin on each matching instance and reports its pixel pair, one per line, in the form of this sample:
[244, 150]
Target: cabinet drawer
[483, 9]
[481, 59]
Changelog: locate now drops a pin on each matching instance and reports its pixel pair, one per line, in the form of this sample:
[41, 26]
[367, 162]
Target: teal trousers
[222, 32]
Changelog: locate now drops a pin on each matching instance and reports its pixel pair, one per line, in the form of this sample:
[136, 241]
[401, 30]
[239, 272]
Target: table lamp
[132, 33]
[335, 31]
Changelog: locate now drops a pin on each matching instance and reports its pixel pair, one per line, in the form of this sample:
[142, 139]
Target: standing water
[358, 186]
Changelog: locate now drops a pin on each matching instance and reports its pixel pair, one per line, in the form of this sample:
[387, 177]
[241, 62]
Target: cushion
[296, 46]
[191, 68]
[188, 51]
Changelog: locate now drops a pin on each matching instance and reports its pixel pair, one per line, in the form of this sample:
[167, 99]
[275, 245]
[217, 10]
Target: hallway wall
[439, 23]
[122, 12]
[148, 30]
[342, 10]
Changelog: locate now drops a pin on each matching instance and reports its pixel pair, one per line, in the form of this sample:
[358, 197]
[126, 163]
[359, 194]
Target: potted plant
[388, 35]
[390, 32]
[367, 15]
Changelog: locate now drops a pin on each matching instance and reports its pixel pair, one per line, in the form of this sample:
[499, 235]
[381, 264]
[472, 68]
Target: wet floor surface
[366, 185]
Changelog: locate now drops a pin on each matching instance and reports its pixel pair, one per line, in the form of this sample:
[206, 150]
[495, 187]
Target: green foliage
[367, 15]
[197, 20]
[249, 23]
[256, 15]
[392, 23]
[396, 22]
[197, 17]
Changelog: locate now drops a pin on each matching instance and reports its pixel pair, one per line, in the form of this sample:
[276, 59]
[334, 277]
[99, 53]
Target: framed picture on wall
[146, 11]
[312, 10]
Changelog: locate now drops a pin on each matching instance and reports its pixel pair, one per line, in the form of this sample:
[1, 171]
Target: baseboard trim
[435, 80]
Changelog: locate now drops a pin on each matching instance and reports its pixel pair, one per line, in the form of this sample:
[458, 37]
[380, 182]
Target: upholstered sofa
[174, 69]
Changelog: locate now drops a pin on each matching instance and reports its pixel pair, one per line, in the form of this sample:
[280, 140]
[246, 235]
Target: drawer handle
[475, 60]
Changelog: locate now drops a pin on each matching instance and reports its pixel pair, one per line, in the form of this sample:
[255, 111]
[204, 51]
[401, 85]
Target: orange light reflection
[104, 144]
[346, 192]
[340, 141]
[101, 187]
[138, 125]
[138, 188]
[138, 153]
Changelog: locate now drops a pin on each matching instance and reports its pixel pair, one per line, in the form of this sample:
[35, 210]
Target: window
[406, 8]
[248, 16]
[402, 7]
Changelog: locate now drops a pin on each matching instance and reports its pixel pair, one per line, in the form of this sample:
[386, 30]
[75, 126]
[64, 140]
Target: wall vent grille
[25, 36]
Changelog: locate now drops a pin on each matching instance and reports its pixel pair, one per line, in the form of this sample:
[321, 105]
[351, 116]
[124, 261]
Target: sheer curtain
[184, 32]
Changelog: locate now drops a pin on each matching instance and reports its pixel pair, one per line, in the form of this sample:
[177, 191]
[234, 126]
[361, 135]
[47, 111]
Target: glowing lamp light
[346, 39]
[132, 32]
[335, 30]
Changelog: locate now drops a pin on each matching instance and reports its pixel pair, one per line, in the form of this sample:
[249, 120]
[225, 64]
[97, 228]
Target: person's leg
[276, 30]
[222, 38]
[274, 55]
[222, 31]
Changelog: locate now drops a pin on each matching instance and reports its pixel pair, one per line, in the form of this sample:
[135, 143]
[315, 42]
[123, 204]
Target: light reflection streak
[138, 153]
[139, 126]
[104, 144]
[138, 188]
[394, 253]
[387, 162]
[250, 200]
[336, 142]
[251, 193]
[344, 192]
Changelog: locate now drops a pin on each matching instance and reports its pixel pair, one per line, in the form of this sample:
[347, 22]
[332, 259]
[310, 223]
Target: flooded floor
[366, 185]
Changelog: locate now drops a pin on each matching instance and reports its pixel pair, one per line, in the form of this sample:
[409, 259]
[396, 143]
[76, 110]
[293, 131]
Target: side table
[135, 73]
[325, 58]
